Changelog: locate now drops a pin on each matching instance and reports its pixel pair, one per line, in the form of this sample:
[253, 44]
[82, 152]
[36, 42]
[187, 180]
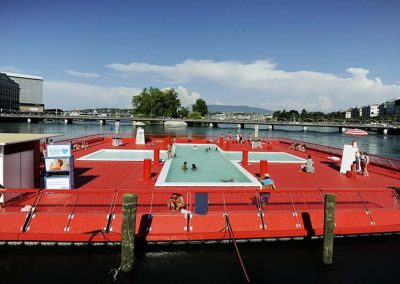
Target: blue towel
[201, 203]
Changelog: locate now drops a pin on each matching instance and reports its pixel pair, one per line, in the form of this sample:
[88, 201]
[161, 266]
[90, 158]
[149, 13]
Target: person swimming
[184, 166]
[194, 167]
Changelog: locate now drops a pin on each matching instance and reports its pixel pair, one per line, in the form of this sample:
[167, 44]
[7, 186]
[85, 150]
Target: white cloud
[69, 95]
[263, 83]
[11, 69]
[81, 74]
[186, 97]
[217, 102]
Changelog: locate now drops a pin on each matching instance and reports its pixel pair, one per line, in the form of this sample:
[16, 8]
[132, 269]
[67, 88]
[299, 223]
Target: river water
[356, 260]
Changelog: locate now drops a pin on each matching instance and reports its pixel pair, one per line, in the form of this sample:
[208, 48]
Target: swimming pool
[122, 155]
[213, 168]
[271, 157]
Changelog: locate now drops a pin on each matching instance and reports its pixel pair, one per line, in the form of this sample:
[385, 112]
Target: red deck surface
[93, 211]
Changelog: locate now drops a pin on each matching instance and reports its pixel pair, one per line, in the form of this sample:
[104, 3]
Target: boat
[91, 212]
[356, 132]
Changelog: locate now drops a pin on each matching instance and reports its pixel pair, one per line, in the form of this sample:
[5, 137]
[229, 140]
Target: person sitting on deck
[177, 203]
[303, 148]
[267, 182]
[293, 146]
[184, 166]
[85, 145]
[76, 146]
[194, 167]
[308, 166]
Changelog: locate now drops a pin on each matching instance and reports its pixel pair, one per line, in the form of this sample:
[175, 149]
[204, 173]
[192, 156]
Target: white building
[31, 91]
[370, 111]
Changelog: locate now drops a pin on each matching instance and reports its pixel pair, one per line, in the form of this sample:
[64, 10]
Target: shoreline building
[31, 92]
[9, 94]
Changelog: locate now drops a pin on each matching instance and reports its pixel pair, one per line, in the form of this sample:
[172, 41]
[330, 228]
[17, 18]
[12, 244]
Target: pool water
[122, 155]
[213, 168]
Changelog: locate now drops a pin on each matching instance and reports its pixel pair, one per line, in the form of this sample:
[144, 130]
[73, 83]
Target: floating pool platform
[103, 173]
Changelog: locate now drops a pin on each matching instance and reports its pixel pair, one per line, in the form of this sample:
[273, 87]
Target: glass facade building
[31, 90]
[9, 94]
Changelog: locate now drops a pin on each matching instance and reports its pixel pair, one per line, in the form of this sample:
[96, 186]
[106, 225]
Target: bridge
[271, 124]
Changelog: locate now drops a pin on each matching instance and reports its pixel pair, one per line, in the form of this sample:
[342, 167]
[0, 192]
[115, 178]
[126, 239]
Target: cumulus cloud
[263, 83]
[217, 102]
[186, 97]
[81, 74]
[70, 95]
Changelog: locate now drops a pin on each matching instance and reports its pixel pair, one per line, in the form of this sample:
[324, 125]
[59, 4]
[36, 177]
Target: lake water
[356, 260]
[378, 144]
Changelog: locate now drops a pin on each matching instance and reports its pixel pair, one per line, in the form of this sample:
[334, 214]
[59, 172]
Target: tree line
[294, 115]
[153, 102]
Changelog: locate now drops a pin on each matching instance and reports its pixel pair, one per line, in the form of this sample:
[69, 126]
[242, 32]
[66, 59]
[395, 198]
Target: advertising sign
[57, 150]
[58, 182]
[57, 164]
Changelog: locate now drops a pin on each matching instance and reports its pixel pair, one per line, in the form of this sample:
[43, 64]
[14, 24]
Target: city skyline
[312, 55]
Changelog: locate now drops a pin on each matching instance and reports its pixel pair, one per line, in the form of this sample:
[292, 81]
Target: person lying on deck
[267, 182]
[308, 166]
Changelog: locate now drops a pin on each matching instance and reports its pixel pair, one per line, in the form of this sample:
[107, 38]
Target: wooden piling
[329, 226]
[128, 231]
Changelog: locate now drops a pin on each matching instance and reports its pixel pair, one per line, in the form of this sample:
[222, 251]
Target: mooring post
[329, 226]
[128, 231]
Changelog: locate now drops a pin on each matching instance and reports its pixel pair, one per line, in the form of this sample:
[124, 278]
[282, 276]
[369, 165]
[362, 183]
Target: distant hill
[244, 109]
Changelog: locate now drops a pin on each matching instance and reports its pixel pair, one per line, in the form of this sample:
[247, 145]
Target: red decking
[93, 211]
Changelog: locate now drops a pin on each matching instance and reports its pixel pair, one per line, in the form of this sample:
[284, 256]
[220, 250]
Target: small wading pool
[271, 157]
[122, 155]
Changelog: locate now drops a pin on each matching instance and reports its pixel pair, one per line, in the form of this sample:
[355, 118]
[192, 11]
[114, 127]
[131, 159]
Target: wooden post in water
[128, 231]
[329, 226]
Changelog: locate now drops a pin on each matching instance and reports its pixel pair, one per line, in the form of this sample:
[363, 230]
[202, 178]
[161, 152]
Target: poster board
[58, 150]
[140, 136]
[256, 128]
[58, 182]
[348, 157]
[60, 164]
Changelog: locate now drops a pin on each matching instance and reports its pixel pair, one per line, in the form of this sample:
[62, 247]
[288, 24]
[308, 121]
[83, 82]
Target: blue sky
[324, 55]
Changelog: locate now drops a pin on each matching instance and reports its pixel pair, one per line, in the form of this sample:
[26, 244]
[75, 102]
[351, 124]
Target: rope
[116, 271]
[229, 227]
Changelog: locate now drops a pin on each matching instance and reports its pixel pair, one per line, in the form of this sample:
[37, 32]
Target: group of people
[185, 167]
[83, 145]
[298, 147]
[177, 203]
[239, 137]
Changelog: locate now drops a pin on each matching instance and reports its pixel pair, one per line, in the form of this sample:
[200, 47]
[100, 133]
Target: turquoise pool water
[213, 168]
[122, 155]
[272, 157]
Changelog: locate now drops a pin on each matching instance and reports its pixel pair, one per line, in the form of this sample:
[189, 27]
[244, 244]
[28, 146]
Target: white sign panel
[61, 182]
[256, 127]
[140, 136]
[348, 157]
[56, 150]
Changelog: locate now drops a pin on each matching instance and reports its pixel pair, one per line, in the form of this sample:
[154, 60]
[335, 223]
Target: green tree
[201, 107]
[194, 115]
[183, 112]
[154, 103]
